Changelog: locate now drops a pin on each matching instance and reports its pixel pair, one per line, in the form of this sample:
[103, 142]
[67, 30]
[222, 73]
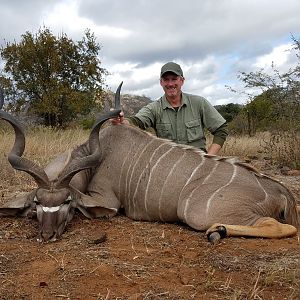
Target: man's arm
[143, 119]
[132, 120]
[220, 135]
[214, 149]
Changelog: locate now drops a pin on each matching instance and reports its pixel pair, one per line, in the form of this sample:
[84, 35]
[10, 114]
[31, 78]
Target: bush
[87, 123]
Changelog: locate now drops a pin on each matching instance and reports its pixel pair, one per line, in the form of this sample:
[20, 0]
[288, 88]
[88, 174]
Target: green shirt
[184, 125]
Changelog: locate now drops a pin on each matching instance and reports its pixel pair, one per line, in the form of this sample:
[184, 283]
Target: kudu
[156, 180]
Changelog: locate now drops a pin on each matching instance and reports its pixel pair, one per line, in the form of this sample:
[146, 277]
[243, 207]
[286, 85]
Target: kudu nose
[48, 236]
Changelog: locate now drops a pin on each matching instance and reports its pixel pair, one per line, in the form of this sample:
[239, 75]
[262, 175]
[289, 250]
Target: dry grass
[243, 146]
[282, 149]
[42, 145]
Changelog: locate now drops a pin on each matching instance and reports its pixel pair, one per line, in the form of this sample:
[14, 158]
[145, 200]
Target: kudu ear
[18, 206]
[90, 208]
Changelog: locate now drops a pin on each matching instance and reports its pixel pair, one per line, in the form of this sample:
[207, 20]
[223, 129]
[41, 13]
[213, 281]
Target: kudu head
[53, 202]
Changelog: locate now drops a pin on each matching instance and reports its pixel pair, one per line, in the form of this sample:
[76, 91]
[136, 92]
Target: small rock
[101, 239]
[43, 284]
[184, 280]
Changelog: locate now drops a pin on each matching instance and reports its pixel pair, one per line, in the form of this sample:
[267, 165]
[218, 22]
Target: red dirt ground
[140, 260]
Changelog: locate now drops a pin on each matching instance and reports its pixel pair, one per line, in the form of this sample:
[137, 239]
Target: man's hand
[119, 120]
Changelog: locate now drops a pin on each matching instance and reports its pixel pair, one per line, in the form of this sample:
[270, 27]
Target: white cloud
[212, 40]
[65, 16]
[279, 56]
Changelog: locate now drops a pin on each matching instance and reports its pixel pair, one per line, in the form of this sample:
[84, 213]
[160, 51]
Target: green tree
[278, 105]
[53, 77]
[229, 111]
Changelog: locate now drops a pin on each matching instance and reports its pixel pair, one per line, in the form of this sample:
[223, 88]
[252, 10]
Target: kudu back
[156, 180]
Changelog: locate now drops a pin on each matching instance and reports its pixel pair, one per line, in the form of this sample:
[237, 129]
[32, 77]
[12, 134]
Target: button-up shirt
[183, 125]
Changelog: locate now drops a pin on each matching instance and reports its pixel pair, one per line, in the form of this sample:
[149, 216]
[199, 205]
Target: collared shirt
[184, 125]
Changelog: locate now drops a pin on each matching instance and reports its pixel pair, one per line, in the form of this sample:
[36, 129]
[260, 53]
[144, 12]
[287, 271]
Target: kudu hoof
[216, 236]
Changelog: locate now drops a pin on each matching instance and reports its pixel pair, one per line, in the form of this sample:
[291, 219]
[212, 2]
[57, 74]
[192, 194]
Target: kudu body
[156, 180]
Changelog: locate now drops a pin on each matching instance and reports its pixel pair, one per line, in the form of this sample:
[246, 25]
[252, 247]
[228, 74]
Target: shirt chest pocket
[194, 130]
[164, 130]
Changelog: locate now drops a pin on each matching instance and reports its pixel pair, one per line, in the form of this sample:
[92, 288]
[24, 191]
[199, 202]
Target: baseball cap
[171, 67]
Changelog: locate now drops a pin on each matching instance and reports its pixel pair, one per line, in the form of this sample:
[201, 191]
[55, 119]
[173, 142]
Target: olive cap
[171, 67]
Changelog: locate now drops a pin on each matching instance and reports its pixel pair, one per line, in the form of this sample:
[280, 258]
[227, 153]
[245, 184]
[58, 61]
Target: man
[179, 116]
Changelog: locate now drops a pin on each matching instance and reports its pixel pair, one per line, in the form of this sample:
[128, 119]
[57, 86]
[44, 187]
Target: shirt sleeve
[145, 117]
[220, 134]
[211, 118]
[133, 120]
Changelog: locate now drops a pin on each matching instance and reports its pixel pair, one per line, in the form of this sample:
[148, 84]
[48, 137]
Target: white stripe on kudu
[121, 171]
[222, 187]
[150, 176]
[139, 180]
[266, 194]
[130, 167]
[192, 192]
[211, 173]
[193, 173]
[165, 181]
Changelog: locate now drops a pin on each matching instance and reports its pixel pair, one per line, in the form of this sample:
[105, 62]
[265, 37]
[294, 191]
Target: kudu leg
[263, 227]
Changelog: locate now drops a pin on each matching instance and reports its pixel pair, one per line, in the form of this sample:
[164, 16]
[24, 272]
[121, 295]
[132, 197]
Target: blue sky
[213, 40]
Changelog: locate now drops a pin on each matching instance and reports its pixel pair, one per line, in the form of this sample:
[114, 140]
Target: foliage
[87, 123]
[229, 111]
[53, 77]
[277, 108]
[283, 149]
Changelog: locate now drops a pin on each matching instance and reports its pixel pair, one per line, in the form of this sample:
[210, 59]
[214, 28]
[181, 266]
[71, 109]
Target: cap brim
[170, 71]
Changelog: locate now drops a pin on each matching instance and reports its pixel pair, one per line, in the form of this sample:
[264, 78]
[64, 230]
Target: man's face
[171, 84]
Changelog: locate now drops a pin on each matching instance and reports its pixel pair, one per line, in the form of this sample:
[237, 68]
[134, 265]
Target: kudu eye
[35, 200]
[69, 199]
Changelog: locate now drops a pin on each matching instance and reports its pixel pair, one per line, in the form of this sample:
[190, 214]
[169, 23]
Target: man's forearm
[214, 149]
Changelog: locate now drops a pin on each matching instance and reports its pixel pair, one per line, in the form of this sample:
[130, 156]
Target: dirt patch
[141, 260]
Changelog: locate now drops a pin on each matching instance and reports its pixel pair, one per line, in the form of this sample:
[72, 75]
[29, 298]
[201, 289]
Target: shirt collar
[166, 104]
